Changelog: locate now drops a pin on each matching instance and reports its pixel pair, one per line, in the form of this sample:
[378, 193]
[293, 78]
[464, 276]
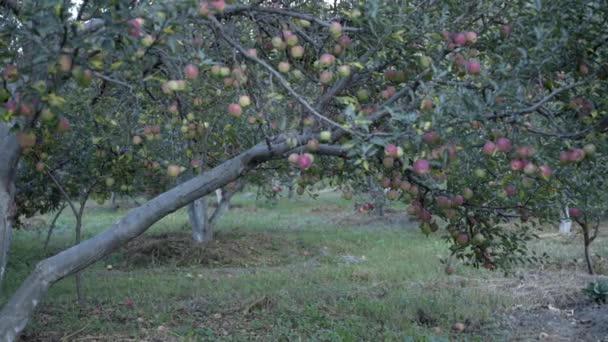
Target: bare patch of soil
[226, 250]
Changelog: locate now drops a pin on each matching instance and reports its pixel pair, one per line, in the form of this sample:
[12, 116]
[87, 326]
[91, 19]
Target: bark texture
[9, 157]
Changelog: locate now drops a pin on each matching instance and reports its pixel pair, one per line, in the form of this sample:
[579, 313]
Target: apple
[505, 30]
[467, 193]
[589, 149]
[530, 169]
[388, 92]
[457, 201]
[478, 239]
[224, 71]
[426, 105]
[173, 170]
[344, 70]
[525, 151]
[135, 29]
[219, 5]
[64, 62]
[430, 138]
[297, 51]
[284, 67]
[191, 71]
[421, 166]
[326, 77]
[576, 155]
[503, 144]
[545, 171]
[325, 136]
[216, 70]
[473, 67]
[147, 40]
[293, 158]
[137, 140]
[244, 101]
[110, 182]
[63, 125]
[462, 239]
[489, 148]
[344, 41]
[40, 166]
[574, 212]
[305, 161]
[480, 173]
[290, 38]
[362, 94]
[326, 60]
[26, 139]
[277, 43]
[443, 202]
[510, 190]
[11, 73]
[235, 109]
[471, 37]
[460, 38]
[517, 164]
[390, 150]
[203, 8]
[335, 28]
[313, 144]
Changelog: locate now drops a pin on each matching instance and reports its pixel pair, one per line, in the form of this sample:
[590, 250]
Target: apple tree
[461, 108]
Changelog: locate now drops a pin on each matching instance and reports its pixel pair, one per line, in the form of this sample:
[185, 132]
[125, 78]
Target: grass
[339, 276]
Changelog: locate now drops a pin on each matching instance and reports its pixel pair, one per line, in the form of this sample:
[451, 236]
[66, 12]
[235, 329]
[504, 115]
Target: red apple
[191, 71]
[503, 144]
[421, 166]
[326, 60]
[460, 38]
[297, 51]
[473, 67]
[489, 148]
[574, 212]
[235, 109]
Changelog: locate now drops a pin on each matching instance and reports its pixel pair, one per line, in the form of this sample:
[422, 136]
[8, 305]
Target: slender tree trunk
[79, 292]
[587, 240]
[52, 227]
[9, 157]
[198, 218]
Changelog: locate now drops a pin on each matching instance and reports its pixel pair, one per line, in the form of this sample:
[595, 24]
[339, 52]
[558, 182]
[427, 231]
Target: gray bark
[9, 157]
[198, 218]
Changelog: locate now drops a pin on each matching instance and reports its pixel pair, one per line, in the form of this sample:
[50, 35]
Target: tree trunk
[17, 311]
[197, 216]
[9, 156]
[52, 227]
[587, 240]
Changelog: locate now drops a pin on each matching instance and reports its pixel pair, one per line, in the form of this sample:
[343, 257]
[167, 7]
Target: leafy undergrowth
[312, 271]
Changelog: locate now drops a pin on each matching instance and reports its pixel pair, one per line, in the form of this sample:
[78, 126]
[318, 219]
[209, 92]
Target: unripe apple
[313, 144]
[421, 166]
[292, 142]
[480, 173]
[362, 94]
[467, 193]
[325, 136]
[297, 51]
[478, 239]
[291, 40]
[589, 149]
[326, 60]
[399, 151]
[527, 182]
[110, 182]
[244, 101]
[235, 109]
[336, 29]
[64, 62]
[284, 67]
[224, 71]
[191, 71]
[216, 70]
[147, 40]
[277, 43]
[344, 70]
[26, 139]
[473, 67]
[173, 170]
[326, 77]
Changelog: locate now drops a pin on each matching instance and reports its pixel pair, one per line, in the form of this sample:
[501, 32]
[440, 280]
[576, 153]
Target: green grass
[397, 291]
